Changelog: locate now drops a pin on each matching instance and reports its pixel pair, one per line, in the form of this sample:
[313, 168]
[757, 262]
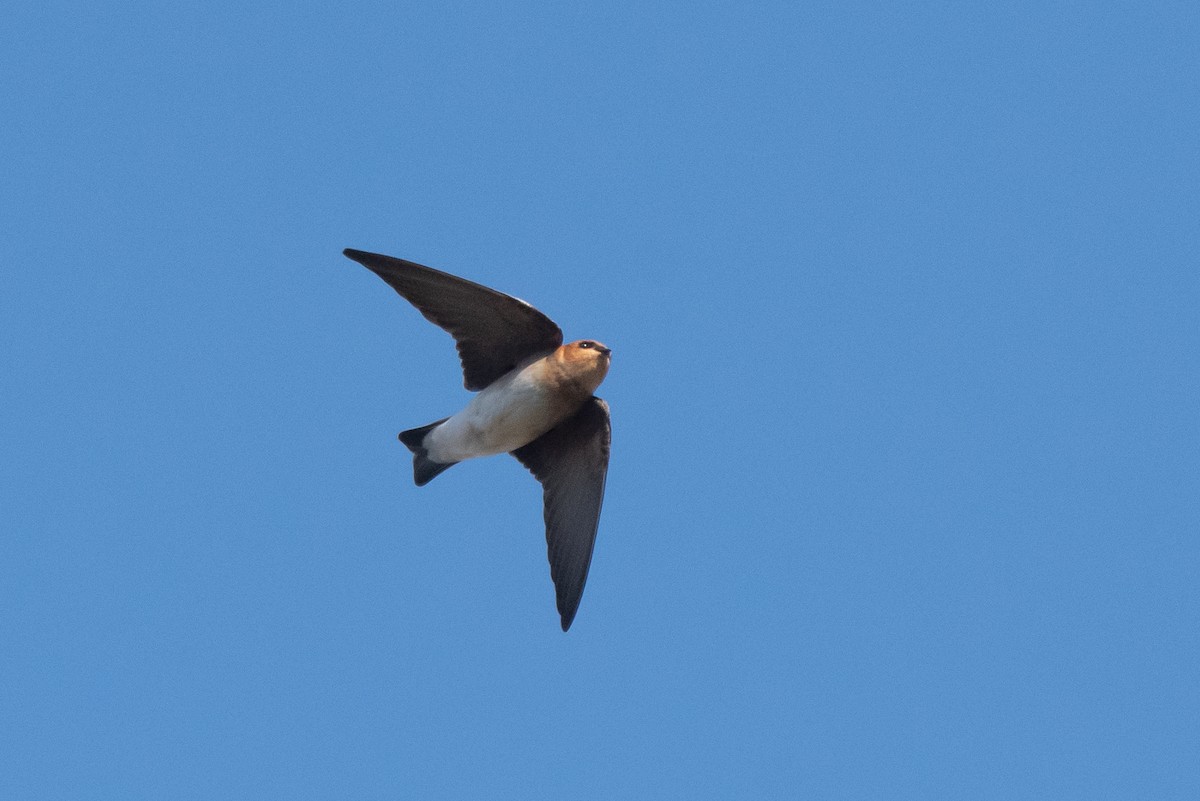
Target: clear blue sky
[905, 488]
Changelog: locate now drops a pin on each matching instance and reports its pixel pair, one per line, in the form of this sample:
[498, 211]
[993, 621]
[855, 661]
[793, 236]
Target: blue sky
[903, 500]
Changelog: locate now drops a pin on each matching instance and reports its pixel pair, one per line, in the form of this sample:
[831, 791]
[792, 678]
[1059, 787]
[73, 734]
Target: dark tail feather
[424, 468]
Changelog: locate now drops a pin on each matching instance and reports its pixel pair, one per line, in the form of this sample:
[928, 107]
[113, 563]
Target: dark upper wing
[495, 332]
[571, 461]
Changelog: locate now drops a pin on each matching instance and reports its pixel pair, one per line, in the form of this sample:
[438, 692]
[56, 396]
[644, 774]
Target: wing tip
[568, 606]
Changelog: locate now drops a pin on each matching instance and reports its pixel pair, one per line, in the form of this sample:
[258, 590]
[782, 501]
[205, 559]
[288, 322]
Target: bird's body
[535, 401]
[512, 411]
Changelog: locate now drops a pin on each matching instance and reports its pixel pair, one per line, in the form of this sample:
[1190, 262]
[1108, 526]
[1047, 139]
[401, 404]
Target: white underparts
[512, 411]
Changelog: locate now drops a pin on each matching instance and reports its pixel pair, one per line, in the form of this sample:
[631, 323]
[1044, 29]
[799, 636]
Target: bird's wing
[494, 332]
[571, 462]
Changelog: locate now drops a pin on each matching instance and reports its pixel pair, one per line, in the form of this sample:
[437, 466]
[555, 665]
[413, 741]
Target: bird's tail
[424, 468]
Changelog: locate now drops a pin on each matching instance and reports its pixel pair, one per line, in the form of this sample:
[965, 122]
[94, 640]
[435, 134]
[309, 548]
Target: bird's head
[586, 361]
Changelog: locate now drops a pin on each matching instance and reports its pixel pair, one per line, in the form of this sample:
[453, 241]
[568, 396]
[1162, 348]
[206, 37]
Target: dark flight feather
[571, 462]
[494, 332]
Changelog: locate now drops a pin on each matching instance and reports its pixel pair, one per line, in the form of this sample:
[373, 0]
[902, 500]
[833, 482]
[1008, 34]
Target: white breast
[512, 411]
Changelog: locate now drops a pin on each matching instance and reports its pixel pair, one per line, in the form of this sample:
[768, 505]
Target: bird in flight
[535, 401]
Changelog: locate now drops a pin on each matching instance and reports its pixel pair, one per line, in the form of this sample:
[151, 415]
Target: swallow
[535, 401]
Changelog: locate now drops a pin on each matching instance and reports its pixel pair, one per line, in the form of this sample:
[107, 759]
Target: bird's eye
[585, 344]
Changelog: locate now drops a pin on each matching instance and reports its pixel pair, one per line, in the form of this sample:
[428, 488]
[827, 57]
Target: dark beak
[605, 351]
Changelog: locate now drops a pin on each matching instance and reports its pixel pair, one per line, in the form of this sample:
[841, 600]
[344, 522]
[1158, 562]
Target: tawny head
[586, 361]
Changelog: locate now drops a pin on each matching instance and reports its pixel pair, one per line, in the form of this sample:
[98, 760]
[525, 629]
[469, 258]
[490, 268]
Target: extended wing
[494, 332]
[571, 462]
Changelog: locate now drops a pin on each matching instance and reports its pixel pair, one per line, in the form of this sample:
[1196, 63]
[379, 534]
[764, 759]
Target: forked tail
[424, 468]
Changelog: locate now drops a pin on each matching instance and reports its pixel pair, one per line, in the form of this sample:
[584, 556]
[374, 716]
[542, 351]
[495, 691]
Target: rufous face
[587, 360]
